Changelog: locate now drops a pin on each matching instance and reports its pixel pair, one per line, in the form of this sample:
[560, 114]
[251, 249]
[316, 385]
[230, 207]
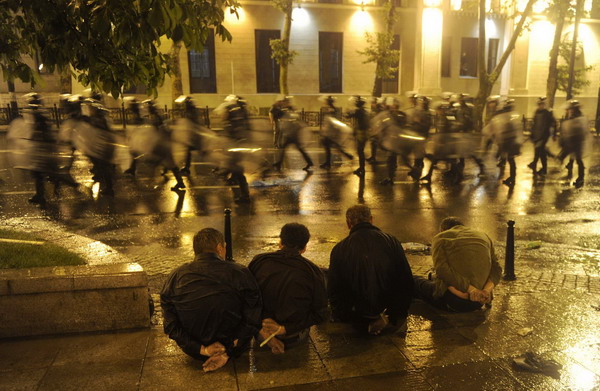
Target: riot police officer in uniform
[573, 133]
[236, 128]
[329, 110]
[361, 130]
[544, 125]
[289, 126]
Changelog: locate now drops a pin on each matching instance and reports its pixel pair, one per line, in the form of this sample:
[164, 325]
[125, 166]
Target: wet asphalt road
[154, 225]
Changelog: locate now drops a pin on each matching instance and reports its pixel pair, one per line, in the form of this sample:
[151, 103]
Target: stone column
[429, 61]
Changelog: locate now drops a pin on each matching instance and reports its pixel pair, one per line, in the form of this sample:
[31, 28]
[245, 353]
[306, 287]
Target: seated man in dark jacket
[370, 281]
[293, 290]
[211, 307]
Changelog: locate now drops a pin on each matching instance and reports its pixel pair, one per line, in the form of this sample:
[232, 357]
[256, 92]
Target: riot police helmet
[33, 99]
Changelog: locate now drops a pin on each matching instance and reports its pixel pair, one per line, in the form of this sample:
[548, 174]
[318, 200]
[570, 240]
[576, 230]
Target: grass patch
[22, 255]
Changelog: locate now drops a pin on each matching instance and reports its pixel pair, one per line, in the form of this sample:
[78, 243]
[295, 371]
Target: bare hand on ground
[215, 362]
[213, 349]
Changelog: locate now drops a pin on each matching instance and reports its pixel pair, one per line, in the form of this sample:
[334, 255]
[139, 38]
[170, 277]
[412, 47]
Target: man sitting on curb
[370, 283]
[293, 290]
[211, 307]
[466, 269]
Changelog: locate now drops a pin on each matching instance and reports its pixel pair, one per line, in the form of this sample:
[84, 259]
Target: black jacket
[293, 289]
[543, 124]
[210, 300]
[368, 272]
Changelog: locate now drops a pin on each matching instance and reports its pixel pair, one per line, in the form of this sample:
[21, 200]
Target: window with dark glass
[492, 58]
[330, 1]
[138, 89]
[468, 57]
[202, 67]
[390, 85]
[446, 56]
[267, 69]
[330, 61]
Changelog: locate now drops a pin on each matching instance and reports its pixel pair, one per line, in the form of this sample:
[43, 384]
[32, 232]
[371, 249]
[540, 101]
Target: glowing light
[488, 5]
[432, 3]
[456, 5]
[41, 67]
[362, 21]
[251, 150]
[587, 6]
[540, 6]
[490, 28]
[300, 17]
[232, 18]
[521, 4]
[432, 25]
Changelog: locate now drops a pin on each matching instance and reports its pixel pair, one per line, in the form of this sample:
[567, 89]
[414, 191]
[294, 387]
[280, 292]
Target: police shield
[93, 142]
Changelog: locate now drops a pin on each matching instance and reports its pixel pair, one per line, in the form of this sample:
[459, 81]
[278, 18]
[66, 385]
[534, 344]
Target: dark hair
[206, 240]
[294, 236]
[450, 222]
[358, 214]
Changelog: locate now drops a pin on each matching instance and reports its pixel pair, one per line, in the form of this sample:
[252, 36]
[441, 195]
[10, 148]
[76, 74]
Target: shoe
[510, 181]
[185, 171]
[532, 166]
[543, 171]
[37, 199]
[372, 160]
[578, 183]
[387, 181]
[414, 174]
[350, 157]
[359, 172]
[129, 171]
[179, 186]
[307, 167]
[325, 166]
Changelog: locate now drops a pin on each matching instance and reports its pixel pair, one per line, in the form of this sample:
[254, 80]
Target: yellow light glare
[300, 17]
[540, 6]
[232, 18]
[432, 25]
[587, 6]
[521, 4]
[456, 5]
[362, 21]
[490, 28]
[432, 3]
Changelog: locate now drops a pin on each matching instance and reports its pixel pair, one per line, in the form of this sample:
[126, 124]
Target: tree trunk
[285, 38]
[487, 81]
[552, 83]
[574, 50]
[176, 84]
[65, 82]
[390, 22]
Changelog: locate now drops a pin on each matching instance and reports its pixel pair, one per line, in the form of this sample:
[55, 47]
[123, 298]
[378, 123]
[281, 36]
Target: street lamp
[432, 3]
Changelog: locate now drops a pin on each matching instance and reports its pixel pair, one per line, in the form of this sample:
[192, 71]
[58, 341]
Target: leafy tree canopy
[110, 45]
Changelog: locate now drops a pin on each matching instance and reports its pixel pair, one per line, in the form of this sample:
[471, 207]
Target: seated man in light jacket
[466, 269]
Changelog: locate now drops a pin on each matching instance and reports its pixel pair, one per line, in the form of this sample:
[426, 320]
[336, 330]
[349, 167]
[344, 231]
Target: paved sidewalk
[441, 351]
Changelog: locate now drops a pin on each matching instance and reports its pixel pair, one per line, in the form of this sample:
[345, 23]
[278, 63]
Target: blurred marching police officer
[288, 131]
[573, 133]
[136, 119]
[191, 112]
[376, 107]
[163, 150]
[420, 122]
[329, 110]
[392, 106]
[236, 127]
[465, 123]
[361, 130]
[507, 131]
[544, 125]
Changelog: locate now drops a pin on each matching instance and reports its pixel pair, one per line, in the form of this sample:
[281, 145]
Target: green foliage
[22, 255]
[111, 45]
[378, 51]
[280, 52]
[579, 79]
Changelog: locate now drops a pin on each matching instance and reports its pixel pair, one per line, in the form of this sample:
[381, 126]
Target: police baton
[228, 244]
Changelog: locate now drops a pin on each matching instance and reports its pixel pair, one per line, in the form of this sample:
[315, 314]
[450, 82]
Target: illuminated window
[468, 57]
[330, 61]
[446, 56]
[492, 59]
[202, 68]
[267, 69]
[390, 85]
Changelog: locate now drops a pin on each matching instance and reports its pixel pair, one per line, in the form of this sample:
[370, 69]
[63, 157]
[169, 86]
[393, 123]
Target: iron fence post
[509, 263]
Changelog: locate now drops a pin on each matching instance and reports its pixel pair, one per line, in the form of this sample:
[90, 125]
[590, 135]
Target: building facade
[437, 40]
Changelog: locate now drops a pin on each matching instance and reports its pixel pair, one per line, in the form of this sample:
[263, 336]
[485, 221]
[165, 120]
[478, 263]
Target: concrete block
[73, 299]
